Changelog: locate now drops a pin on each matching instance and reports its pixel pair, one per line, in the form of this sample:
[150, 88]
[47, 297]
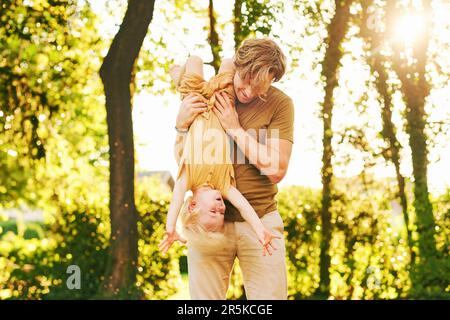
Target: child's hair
[257, 58]
[195, 233]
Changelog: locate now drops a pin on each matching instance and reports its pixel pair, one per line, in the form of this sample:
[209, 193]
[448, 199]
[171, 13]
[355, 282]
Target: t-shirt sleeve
[281, 125]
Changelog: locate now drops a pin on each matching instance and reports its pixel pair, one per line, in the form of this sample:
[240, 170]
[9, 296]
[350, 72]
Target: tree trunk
[415, 89]
[213, 38]
[237, 23]
[389, 136]
[116, 74]
[330, 65]
[377, 63]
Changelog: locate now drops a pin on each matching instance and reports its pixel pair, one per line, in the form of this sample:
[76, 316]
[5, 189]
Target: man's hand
[226, 112]
[169, 239]
[191, 106]
[265, 237]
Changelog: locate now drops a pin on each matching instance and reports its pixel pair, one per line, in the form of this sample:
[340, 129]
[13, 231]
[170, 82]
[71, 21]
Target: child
[212, 180]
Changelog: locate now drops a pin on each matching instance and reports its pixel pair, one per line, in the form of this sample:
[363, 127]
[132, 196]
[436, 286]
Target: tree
[251, 17]
[411, 71]
[370, 30]
[337, 29]
[116, 74]
[213, 38]
[40, 86]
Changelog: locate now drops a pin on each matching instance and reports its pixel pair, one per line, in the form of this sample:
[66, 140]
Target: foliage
[370, 255]
[36, 268]
[42, 89]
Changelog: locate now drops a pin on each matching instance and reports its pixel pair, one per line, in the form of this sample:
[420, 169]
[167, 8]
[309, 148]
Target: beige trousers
[264, 276]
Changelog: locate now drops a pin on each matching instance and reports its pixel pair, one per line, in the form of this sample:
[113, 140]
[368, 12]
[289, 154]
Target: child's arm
[179, 191]
[248, 213]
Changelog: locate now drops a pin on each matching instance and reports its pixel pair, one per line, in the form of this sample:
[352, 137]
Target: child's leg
[176, 72]
[226, 65]
[194, 64]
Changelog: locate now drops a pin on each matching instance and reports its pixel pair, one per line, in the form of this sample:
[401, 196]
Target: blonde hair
[195, 233]
[257, 59]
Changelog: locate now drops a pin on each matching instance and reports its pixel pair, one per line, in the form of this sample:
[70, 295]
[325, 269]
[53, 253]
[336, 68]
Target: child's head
[206, 209]
[258, 62]
[202, 217]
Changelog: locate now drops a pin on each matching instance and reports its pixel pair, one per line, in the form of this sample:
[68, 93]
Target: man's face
[246, 91]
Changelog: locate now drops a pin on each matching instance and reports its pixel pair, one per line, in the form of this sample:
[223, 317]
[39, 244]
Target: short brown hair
[257, 58]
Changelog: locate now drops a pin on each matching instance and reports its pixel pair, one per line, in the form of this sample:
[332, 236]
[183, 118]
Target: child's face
[211, 207]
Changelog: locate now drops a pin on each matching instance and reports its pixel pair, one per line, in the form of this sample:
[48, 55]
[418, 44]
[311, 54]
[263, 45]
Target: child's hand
[265, 238]
[169, 239]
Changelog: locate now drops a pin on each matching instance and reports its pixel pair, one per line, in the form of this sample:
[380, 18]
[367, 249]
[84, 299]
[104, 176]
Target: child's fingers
[162, 243]
[164, 247]
[273, 247]
[268, 250]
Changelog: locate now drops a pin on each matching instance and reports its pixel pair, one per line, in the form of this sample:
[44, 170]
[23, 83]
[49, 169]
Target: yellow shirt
[206, 153]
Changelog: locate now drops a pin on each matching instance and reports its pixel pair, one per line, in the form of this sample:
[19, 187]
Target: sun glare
[408, 27]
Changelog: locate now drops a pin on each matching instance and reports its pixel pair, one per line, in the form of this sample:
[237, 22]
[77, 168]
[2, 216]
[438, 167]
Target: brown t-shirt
[269, 118]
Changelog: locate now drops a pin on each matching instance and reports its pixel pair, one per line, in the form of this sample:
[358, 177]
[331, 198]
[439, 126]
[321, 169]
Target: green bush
[37, 268]
[300, 210]
[158, 275]
[369, 251]
[370, 257]
[430, 277]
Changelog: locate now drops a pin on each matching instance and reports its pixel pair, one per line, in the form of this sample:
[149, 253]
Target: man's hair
[255, 59]
[195, 234]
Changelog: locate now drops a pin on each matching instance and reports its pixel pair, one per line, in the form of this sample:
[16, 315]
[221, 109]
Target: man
[261, 127]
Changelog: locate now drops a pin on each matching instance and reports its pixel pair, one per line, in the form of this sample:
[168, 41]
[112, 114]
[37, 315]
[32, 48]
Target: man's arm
[272, 158]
